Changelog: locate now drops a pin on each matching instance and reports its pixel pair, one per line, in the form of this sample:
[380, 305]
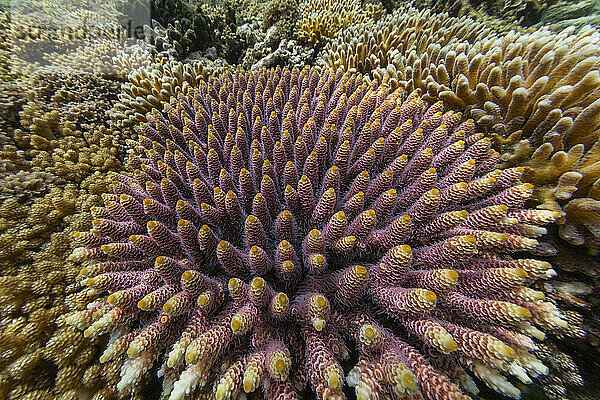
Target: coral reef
[537, 93]
[55, 152]
[150, 85]
[392, 48]
[321, 20]
[511, 14]
[181, 27]
[268, 216]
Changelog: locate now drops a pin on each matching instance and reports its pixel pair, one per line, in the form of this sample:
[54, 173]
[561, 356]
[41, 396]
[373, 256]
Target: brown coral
[321, 20]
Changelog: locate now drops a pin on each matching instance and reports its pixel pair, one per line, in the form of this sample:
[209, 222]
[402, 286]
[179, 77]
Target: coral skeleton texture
[269, 216]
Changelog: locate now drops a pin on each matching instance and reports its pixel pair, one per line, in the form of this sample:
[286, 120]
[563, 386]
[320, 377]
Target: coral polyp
[303, 230]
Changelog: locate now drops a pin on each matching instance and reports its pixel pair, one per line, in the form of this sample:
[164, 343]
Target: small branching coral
[321, 20]
[150, 85]
[270, 215]
[537, 92]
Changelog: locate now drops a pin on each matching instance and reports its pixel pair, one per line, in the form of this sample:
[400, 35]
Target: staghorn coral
[49, 180]
[268, 215]
[151, 85]
[392, 47]
[320, 20]
[54, 146]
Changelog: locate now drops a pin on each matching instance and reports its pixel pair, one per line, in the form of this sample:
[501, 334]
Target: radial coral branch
[322, 205]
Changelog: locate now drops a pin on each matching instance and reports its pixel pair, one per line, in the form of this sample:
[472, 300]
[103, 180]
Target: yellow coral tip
[131, 352]
[111, 299]
[282, 298]
[449, 343]
[142, 304]
[452, 274]
[405, 248]
[202, 301]
[161, 259]
[287, 266]
[470, 239]
[429, 295]
[151, 224]
[248, 386]
[221, 393]
[520, 272]
[168, 307]
[524, 312]
[528, 186]
[319, 325]
[369, 333]
[258, 283]
[186, 276]
[123, 196]
[321, 302]
[333, 381]
[463, 213]
[222, 245]
[409, 382]
[508, 351]
[254, 250]
[361, 270]
[279, 365]
[435, 192]
[235, 324]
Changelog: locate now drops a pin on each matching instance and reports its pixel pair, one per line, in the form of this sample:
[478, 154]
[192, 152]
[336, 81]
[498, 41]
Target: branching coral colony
[271, 218]
[536, 92]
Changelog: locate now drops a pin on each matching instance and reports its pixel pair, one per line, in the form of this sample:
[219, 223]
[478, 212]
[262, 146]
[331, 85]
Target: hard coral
[321, 20]
[150, 85]
[188, 28]
[268, 215]
[537, 93]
